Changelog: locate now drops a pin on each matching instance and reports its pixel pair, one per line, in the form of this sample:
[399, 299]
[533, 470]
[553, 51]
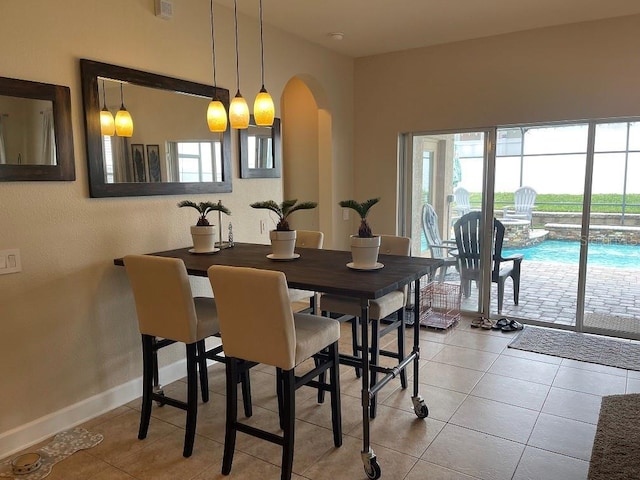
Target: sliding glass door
[436, 168]
[612, 287]
[568, 197]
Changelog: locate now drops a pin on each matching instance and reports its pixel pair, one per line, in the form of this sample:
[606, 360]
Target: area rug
[63, 444]
[616, 448]
[579, 346]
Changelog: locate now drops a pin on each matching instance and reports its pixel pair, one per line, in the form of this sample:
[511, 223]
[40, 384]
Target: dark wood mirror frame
[276, 145]
[61, 100]
[90, 71]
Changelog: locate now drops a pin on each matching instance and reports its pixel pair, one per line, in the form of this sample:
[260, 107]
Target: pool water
[563, 251]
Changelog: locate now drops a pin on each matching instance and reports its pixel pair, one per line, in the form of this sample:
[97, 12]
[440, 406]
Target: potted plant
[203, 233]
[365, 245]
[283, 238]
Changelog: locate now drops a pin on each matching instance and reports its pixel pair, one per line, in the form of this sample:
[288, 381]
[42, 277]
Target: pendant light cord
[213, 49]
[121, 98]
[235, 9]
[104, 96]
[261, 47]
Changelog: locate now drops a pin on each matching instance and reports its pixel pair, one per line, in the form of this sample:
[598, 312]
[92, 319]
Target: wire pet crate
[439, 305]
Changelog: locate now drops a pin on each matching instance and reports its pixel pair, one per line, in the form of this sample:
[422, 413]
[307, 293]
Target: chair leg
[355, 341]
[336, 408]
[401, 350]
[500, 295]
[232, 414]
[148, 378]
[202, 368]
[192, 399]
[289, 416]
[245, 382]
[375, 359]
[516, 283]
[322, 378]
[280, 394]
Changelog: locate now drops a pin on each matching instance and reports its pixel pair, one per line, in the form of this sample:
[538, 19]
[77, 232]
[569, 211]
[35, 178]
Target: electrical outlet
[345, 214]
[10, 261]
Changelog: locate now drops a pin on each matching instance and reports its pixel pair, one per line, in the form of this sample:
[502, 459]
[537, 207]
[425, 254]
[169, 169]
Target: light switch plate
[164, 9]
[10, 261]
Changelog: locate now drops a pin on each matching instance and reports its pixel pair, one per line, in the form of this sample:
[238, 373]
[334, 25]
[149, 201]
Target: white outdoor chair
[463, 203]
[524, 200]
[439, 249]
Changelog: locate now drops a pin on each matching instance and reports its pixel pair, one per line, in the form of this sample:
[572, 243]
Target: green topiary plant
[363, 209]
[204, 208]
[286, 208]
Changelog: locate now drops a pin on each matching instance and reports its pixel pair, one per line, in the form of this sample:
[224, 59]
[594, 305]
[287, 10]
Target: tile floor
[495, 413]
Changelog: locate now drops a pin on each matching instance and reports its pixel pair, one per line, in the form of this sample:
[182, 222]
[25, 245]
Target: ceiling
[372, 27]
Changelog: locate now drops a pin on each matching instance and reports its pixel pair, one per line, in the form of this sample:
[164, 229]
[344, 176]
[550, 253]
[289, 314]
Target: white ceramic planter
[364, 251]
[204, 238]
[282, 243]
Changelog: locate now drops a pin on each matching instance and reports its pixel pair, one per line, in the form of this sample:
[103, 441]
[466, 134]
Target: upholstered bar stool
[168, 313]
[258, 325]
[379, 309]
[306, 239]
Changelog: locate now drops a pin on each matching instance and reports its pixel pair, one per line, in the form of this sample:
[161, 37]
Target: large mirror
[36, 138]
[171, 150]
[260, 151]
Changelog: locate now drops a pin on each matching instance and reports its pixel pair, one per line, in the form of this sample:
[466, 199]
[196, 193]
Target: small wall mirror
[171, 150]
[36, 137]
[260, 151]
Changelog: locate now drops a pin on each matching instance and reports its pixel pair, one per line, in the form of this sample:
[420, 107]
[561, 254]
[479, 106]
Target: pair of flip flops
[507, 325]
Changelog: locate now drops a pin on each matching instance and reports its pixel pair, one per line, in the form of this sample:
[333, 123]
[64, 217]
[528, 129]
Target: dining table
[326, 271]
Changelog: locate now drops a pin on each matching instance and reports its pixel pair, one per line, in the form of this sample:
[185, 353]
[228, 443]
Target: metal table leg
[371, 467]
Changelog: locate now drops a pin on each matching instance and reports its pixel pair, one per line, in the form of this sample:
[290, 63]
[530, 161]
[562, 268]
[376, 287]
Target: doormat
[616, 447]
[63, 445]
[579, 346]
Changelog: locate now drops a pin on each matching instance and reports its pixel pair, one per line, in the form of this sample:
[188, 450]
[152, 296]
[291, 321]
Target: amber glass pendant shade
[124, 123]
[107, 124]
[263, 109]
[239, 112]
[216, 116]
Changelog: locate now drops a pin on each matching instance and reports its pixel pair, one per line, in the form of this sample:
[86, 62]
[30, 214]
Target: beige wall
[571, 72]
[68, 332]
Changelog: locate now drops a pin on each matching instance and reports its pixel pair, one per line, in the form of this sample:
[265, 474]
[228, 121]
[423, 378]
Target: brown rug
[616, 448]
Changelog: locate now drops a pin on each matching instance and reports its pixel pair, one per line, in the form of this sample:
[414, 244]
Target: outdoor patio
[548, 293]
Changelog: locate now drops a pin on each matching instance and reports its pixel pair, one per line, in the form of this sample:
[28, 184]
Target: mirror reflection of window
[260, 152]
[196, 161]
[27, 135]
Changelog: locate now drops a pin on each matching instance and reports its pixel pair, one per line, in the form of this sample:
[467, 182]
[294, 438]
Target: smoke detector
[337, 36]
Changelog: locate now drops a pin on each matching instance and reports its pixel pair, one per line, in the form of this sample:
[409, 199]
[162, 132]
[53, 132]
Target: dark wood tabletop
[320, 270]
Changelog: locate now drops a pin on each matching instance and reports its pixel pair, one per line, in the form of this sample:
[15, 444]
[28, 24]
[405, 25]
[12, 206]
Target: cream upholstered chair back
[394, 245]
[309, 239]
[256, 320]
[163, 297]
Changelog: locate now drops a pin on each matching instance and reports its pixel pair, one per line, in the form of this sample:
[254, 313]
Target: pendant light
[107, 127]
[263, 108]
[238, 110]
[216, 114]
[124, 122]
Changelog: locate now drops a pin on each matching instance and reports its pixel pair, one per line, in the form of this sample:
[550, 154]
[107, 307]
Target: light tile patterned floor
[495, 414]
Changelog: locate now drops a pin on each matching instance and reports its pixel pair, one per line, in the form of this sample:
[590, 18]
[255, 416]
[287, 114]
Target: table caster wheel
[372, 469]
[419, 407]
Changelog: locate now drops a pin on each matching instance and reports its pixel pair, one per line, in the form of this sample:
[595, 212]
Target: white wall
[68, 332]
[587, 70]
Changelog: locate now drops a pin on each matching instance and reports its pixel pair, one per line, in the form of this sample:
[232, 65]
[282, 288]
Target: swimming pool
[563, 251]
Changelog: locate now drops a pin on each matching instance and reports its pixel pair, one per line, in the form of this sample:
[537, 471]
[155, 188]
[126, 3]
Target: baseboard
[42, 428]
